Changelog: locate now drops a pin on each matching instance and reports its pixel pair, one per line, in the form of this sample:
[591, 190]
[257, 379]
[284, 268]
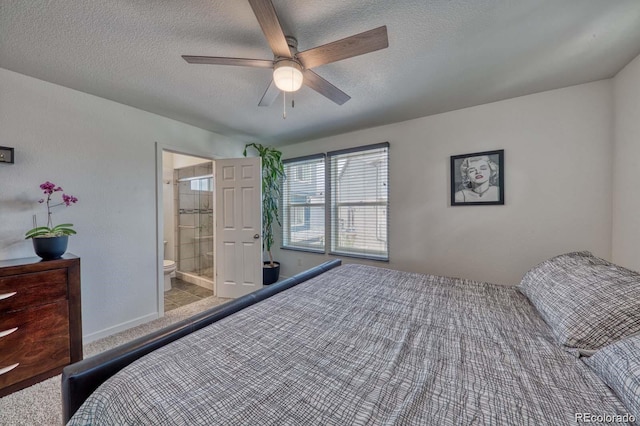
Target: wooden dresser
[40, 321]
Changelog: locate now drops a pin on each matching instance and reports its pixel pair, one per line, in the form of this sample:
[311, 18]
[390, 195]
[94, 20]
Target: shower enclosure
[195, 233]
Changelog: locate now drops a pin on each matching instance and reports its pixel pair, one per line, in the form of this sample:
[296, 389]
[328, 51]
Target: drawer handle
[9, 368]
[7, 295]
[7, 332]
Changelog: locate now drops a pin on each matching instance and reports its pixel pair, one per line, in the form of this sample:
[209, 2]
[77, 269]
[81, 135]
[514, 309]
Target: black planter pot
[49, 248]
[270, 275]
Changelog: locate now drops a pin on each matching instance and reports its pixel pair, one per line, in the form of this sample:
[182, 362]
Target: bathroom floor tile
[199, 291]
[180, 284]
[191, 288]
[183, 292]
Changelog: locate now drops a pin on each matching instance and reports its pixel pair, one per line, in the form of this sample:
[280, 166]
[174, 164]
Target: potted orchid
[50, 242]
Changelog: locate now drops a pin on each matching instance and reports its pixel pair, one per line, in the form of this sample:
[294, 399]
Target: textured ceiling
[443, 55]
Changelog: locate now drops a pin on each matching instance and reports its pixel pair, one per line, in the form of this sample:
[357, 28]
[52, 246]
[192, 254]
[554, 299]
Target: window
[302, 172]
[201, 184]
[359, 188]
[357, 217]
[303, 212]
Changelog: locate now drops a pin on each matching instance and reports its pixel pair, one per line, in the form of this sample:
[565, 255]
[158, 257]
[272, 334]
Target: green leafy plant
[52, 231]
[272, 175]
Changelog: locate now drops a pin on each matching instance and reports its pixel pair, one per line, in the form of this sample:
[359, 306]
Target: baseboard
[118, 328]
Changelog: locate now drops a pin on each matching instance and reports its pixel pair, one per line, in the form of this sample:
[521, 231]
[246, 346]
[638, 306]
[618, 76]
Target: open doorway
[209, 222]
[188, 237]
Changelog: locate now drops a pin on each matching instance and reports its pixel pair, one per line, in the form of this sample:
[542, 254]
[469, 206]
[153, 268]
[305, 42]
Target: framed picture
[477, 179]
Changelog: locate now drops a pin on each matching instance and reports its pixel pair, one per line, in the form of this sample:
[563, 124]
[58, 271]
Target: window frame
[287, 227]
[334, 206]
[329, 206]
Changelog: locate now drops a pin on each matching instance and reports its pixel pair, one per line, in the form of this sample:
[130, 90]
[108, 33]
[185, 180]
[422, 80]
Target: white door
[238, 226]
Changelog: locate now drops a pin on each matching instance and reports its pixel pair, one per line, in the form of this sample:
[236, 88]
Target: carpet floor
[40, 404]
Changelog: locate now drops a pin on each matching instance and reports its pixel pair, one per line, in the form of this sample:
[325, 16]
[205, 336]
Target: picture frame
[477, 178]
[7, 155]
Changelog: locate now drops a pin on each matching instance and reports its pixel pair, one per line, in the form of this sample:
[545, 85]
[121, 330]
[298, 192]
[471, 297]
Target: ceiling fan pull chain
[284, 105]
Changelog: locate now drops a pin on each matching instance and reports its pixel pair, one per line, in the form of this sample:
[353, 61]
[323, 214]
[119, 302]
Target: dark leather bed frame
[79, 380]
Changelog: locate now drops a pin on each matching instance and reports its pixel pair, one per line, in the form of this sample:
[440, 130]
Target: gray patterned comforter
[360, 345]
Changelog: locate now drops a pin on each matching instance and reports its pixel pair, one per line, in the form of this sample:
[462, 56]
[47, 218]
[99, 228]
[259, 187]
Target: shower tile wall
[194, 217]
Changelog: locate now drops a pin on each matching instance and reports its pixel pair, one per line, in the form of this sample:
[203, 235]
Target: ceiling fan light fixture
[287, 75]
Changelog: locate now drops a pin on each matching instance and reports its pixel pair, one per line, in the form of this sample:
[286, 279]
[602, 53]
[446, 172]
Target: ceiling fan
[291, 68]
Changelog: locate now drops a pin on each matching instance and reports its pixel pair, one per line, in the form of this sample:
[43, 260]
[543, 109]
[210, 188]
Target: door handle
[256, 236]
[7, 332]
[8, 295]
[9, 368]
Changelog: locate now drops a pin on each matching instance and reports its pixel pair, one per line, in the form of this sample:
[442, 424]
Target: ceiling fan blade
[268, 20]
[270, 95]
[359, 44]
[325, 88]
[215, 60]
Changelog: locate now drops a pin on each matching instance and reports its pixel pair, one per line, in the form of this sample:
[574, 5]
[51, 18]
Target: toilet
[169, 270]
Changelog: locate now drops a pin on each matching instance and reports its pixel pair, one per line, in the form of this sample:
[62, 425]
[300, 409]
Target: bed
[362, 345]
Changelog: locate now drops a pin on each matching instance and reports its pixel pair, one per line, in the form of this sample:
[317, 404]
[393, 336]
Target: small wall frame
[6, 155]
[477, 179]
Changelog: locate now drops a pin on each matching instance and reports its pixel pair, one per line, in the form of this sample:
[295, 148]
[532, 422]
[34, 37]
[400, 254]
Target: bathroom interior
[188, 207]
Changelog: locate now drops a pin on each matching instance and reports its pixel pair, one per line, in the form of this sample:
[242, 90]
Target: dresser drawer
[37, 340]
[27, 290]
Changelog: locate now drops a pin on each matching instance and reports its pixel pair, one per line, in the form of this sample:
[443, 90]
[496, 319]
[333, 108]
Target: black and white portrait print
[477, 178]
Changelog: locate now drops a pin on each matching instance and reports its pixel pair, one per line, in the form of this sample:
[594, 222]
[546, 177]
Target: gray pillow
[618, 365]
[587, 301]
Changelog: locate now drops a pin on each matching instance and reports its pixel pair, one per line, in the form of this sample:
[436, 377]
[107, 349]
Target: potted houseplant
[272, 175]
[50, 242]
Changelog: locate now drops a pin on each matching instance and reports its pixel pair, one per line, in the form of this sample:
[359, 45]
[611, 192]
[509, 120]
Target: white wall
[626, 154]
[558, 177]
[103, 153]
[180, 161]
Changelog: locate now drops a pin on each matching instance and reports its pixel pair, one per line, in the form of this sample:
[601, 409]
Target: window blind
[359, 188]
[303, 203]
